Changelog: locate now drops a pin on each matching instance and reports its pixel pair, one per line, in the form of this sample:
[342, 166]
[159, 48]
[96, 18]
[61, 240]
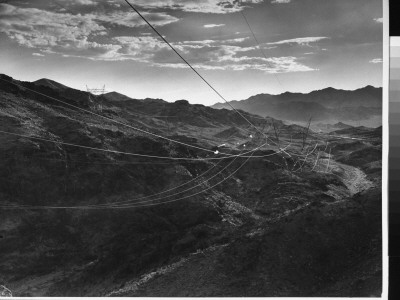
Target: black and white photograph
[191, 148]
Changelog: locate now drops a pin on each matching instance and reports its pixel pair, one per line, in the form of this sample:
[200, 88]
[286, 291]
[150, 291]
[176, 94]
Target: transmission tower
[96, 92]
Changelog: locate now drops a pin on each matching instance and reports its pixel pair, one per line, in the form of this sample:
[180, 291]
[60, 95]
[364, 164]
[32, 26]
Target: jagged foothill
[301, 218]
[330, 105]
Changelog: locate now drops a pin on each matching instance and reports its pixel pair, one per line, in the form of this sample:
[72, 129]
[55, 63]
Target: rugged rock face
[258, 228]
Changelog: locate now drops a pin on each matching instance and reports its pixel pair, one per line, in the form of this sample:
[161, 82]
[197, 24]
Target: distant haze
[359, 107]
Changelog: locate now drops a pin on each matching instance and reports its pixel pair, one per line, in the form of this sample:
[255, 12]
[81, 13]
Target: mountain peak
[115, 96]
[369, 87]
[50, 83]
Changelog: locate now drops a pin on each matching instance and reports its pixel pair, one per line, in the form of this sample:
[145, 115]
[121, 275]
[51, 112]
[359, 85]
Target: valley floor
[196, 275]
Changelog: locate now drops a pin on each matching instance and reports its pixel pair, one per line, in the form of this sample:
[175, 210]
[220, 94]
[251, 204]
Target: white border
[387, 41]
[385, 149]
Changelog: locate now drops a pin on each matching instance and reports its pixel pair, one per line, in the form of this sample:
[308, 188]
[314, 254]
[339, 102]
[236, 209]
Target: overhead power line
[126, 153]
[30, 207]
[135, 200]
[112, 205]
[193, 69]
[112, 162]
[259, 46]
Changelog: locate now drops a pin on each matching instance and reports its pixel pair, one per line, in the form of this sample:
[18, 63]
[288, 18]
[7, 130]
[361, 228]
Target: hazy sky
[308, 45]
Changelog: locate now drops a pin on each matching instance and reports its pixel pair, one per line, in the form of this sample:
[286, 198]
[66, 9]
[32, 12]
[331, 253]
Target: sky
[299, 45]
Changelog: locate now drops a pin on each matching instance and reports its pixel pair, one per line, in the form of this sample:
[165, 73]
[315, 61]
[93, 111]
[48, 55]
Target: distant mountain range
[328, 105]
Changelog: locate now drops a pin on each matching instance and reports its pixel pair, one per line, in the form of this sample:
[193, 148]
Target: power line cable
[131, 206]
[253, 151]
[126, 153]
[134, 201]
[191, 67]
[116, 162]
[259, 46]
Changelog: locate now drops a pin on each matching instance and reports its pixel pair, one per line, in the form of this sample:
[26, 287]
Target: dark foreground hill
[328, 105]
[289, 221]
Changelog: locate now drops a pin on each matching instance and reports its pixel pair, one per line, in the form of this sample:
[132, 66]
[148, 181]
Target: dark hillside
[86, 212]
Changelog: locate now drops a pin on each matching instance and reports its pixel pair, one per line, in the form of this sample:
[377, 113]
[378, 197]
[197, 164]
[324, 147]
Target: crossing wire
[127, 153]
[112, 205]
[192, 68]
[126, 207]
[253, 151]
[259, 46]
[135, 201]
[174, 188]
